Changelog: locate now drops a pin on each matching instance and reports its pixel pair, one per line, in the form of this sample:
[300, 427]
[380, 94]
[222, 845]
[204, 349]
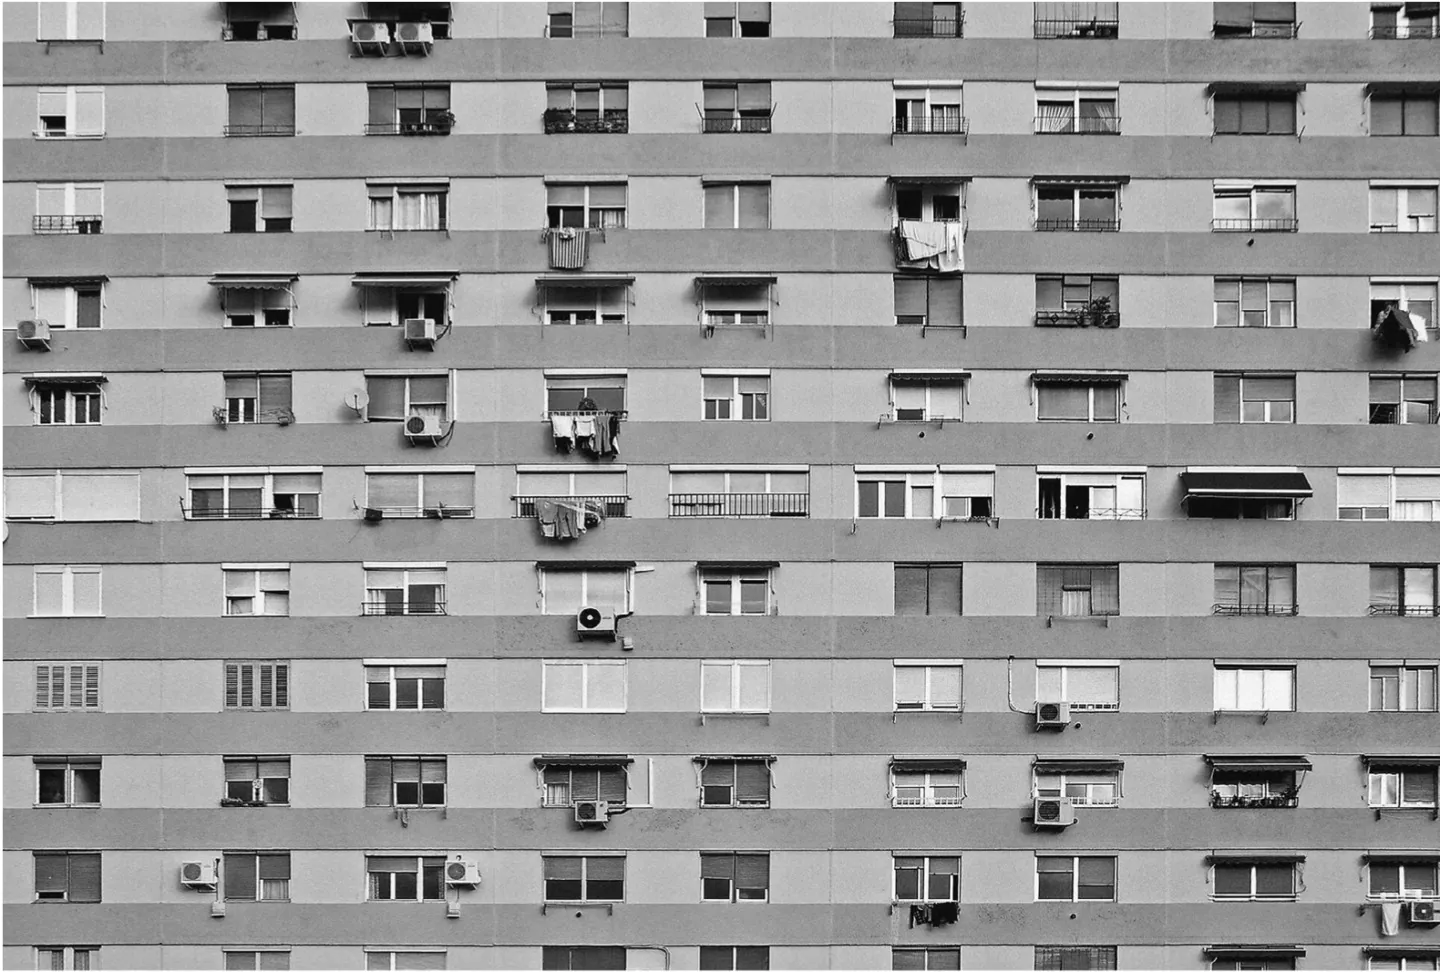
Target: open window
[262, 781]
[68, 302]
[735, 396]
[929, 108]
[409, 206]
[1274, 20]
[1078, 591]
[1077, 300]
[565, 780]
[1092, 493]
[1078, 396]
[258, 398]
[587, 107]
[739, 491]
[66, 399]
[735, 300]
[1402, 207]
[928, 20]
[278, 492]
[260, 209]
[1256, 782]
[1402, 782]
[734, 781]
[730, 19]
[1086, 781]
[1404, 21]
[928, 395]
[256, 299]
[1220, 493]
[412, 589]
[1098, 21]
[1081, 204]
[69, 208]
[927, 781]
[71, 111]
[576, 299]
[393, 299]
[607, 488]
[733, 107]
[928, 225]
[259, 21]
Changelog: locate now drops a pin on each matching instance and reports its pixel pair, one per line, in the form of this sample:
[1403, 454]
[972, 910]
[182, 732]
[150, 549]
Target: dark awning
[583, 280]
[1256, 87]
[736, 564]
[65, 381]
[736, 758]
[436, 279]
[1078, 377]
[254, 281]
[1078, 764]
[585, 564]
[582, 759]
[61, 281]
[939, 179]
[1254, 857]
[1402, 760]
[1401, 950]
[928, 764]
[734, 279]
[1400, 856]
[1081, 180]
[1402, 87]
[1259, 764]
[1293, 484]
[920, 374]
[1246, 951]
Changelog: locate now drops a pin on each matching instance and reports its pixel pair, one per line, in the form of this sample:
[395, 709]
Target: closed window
[1254, 880]
[1254, 302]
[1056, 957]
[606, 488]
[256, 959]
[67, 781]
[1255, 20]
[728, 19]
[1402, 963]
[1077, 591]
[1402, 688]
[1082, 787]
[1074, 878]
[69, 208]
[735, 591]
[735, 877]
[1257, 113]
[565, 785]
[395, 398]
[1396, 21]
[252, 495]
[584, 878]
[1403, 879]
[381, 960]
[68, 956]
[260, 209]
[1083, 208]
[929, 301]
[76, 303]
[925, 399]
[1248, 208]
[72, 496]
[1403, 591]
[925, 958]
[587, 107]
[566, 591]
[1084, 686]
[747, 492]
[257, 877]
[408, 207]
[735, 686]
[394, 687]
[258, 398]
[1414, 297]
[1077, 401]
[598, 205]
[583, 686]
[72, 687]
[928, 20]
[583, 303]
[257, 592]
[920, 784]
[409, 109]
[1378, 496]
[67, 876]
[1402, 400]
[734, 957]
[1254, 689]
[1410, 113]
[1255, 399]
[608, 19]
[913, 495]
[927, 686]
[1400, 785]
[734, 783]
[405, 781]
[257, 685]
[1076, 111]
[927, 879]
[405, 492]
[742, 398]
[737, 205]
[573, 393]
[257, 780]
[69, 591]
[741, 302]
[929, 589]
[1097, 495]
[737, 107]
[258, 109]
[1077, 300]
[71, 20]
[393, 878]
[1402, 209]
[73, 111]
[1249, 589]
[67, 401]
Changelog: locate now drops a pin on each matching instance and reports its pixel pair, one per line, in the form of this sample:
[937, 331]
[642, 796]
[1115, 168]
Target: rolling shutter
[377, 781]
[946, 302]
[1227, 397]
[752, 781]
[84, 877]
[240, 877]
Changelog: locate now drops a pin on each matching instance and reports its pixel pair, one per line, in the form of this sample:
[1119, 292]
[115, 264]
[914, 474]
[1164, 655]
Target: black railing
[1256, 610]
[561, 121]
[1084, 225]
[1404, 611]
[1097, 29]
[1279, 801]
[375, 608]
[945, 125]
[61, 225]
[246, 513]
[1411, 32]
[1083, 125]
[257, 32]
[1242, 225]
[259, 131]
[739, 504]
[434, 126]
[729, 124]
[1391, 413]
[930, 27]
[525, 506]
[1272, 31]
[1076, 318]
[441, 225]
[591, 413]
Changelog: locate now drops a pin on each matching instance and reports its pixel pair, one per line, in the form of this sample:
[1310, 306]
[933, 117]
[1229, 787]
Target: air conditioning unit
[1052, 715]
[370, 37]
[414, 38]
[419, 332]
[592, 813]
[462, 874]
[591, 622]
[1423, 913]
[424, 428]
[34, 335]
[1053, 813]
[198, 874]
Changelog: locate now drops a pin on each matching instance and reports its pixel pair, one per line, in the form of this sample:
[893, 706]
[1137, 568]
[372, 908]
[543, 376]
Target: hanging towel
[546, 510]
[563, 428]
[951, 257]
[602, 434]
[922, 240]
[566, 525]
[584, 426]
[1390, 918]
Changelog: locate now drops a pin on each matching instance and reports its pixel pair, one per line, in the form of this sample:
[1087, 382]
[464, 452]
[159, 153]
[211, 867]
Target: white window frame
[925, 876]
[254, 952]
[1270, 300]
[1393, 506]
[928, 782]
[921, 478]
[736, 318]
[1397, 771]
[605, 312]
[70, 395]
[393, 952]
[928, 951]
[44, 963]
[1092, 388]
[545, 607]
[1092, 780]
[68, 768]
[267, 488]
[1058, 92]
[421, 506]
[1404, 671]
[57, 514]
[1420, 290]
[898, 381]
[583, 380]
[931, 95]
[419, 873]
[257, 785]
[1405, 220]
[736, 400]
[388, 666]
[1405, 893]
[1296, 884]
[1064, 666]
[733, 188]
[71, 93]
[735, 29]
[1265, 673]
[1404, 963]
[585, 665]
[585, 859]
[735, 667]
[67, 574]
[1268, 403]
[718, 508]
[1402, 413]
[260, 885]
[1117, 512]
[928, 191]
[260, 189]
[1252, 190]
[734, 578]
[71, 320]
[412, 409]
[72, 23]
[237, 411]
[589, 211]
[928, 703]
[406, 583]
[259, 598]
[1075, 877]
[382, 218]
[70, 190]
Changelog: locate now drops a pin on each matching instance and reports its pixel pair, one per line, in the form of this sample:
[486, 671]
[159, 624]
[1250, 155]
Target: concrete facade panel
[998, 107]
[810, 107]
[333, 206]
[664, 107]
[1000, 589]
[334, 109]
[136, 111]
[675, 203]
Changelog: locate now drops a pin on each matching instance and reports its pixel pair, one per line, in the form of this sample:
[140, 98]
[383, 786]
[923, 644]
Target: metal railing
[930, 27]
[911, 125]
[1082, 125]
[613, 505]
[1271, 31]
[1404, 611]
[395, 608]
[729, 124]
[1242, 225]
[1410, 32]
[441, 226]
[430, 127]
[560, 121]
[1388, 413]
[571, 31]
[1076, 318]
[1279, 801]
[1102, 514]
[246, 513]
[739, 504]
[261, 32]
[61, 225]
[1085, 225]
[591, 412]
[1097, 29]
[259, 131]
[1256, 610]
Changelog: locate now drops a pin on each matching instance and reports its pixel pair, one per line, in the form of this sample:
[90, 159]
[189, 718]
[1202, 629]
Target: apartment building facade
[721, 485]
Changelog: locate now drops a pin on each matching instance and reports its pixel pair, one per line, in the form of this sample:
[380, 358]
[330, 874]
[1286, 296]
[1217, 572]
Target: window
[1416, 298]
[565, 590]
[566, 393]
[916, 397]
[1403, 113]
[1081, 495]
[1254, 208]
[1085, 784]
[1255, 20]
[1076, 399]
[394, 398]
[1252, 782]
[1407, 963]
[927, 878]
[567, 784]
[405, 686]
[248, 300]
[735, 686]
[257, 781]
[405, 878]
[257, 877]
[927, 201]
[929, 301]
[1402, 400]
[740, 398]
[735, 590]
[77, 400]
[735, 957]
[737, 20]
[1076, 111]
[1074, 878]
[584, 878]
[1254, 302]
[1399, 785]
[1085, 685]
[1402, 208]
[388, 300]
[928, 20]
[583, 686]
[1402, 879]
[734, 782]
[599, 205]
[921, 109]
[73, 687]
[405, 781]
[408, 206]
[72, 111]
[737, 205]
[1077, 300]
[74, 957]
[926, 686]
[69, 208]
[449, 491]
[1402, 688]
[935, 590]
[1254, 960]
[1255, 113]
[896, 495]
[409, 109]
[588, 107]
[1392, 21]
[926, 782]
[252, 959]
[1258, 880]
[1249, 589]
[388, 961]
[259, 209]
[750, 492]
[1099, 20]
[1056, 957]
[1077, 590]
[258, 398]
[737, 107]
[261, 109]
[1255, 398]
[67, 304]
[1377, 495]
[606, 488]
[586, 302]
[583, 956]
[257, 685]
[67, 591]
[437, 15]
[589, 20]
[72, 496]
[1089, 207]
[67, 781]
[735, 877]
[1403, 591]
[259, 22]
[252, 495]
[1254, 689]
[740, 301]
[261, 591]
[71, 21]
[67, 876]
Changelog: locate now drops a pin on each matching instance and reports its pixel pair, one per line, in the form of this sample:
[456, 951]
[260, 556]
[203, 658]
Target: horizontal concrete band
[682, 251]
[688, 153]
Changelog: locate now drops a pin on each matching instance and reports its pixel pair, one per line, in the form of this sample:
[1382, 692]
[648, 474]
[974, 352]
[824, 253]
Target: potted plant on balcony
[1097, 314]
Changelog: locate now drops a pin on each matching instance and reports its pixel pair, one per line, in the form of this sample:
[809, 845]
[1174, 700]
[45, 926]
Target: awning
[1400, 856]
[61, 281]
[1246, 951]
[584, 280]
[1255, 87]
[928, 764]
[1078, 764]
[1081, 180]
[578, 759]
[404, 279]
[1254, 857]
[1402, 760]
[585, 564]
[939, 179]
[932, 374]
[1078, 377]
[736, 758]
[1402, 87]
[1259, 764]
[1401, 950]
[1293, 484]
[734, 279]
[254, 281]
[65, 381]
[736, 564]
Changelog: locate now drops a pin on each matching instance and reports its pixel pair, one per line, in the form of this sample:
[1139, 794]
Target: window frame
[1405, 98]
[262, 130]
[57, 479]
[254, 954]
[928, 386]
[1094, 511]
[929, 96]
[71, 295]
[431, 120]
[263, 224]
[584, 664]
[65, 896]
[44, 959]
[1289, 672]
[68, 222]
[1413, 291]
[738, 402]
[930, 667]
[1393, 508]
[1064, 667]
[268, 496]
[421, 762]
[68, 766]
[736, 120]
[736, 666]
[571, 30]
[734, 895]
[1090, 779]
[737, 957]
[704, 763]
[279, 674]
[1404, 672]
[585, 881]
[1267, 316]
[1266, 98]
[547, 608]
[733, 188]
[259, 785]
[1061, 586]
[71, 118]
[911, 479]
[1426, 398]
[393, 955]
[1401, 607]
[592, 215]
[549, 791]
[1297, 883]
[262, 595]
[67, 574]
[1075, 885]
[384, 209]
[735, 28]
[1060, 956]
[76, 690]
[260, 889]
[586, 383]
[72, 24]
[410, 407]
[1092, 416]
[925, 874]
[238, 413]
[736, 579]
[1405, 892]
[1268, 405]
[1253, 191]
[1077, 223]
[1379, 771]
[80, 405]
[423, 507]
[930, 567]
[435, 863]
[1076, 95]
[1275, 577]
[392, 681]
[1403, 213]
[927, 785]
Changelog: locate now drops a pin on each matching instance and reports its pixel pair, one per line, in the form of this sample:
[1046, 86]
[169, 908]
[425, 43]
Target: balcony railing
[246, 513]
[1100, 514]
[614, 505]
[930, 27]
[612, 121]
[431, 126]
[1084, 225]
[259, 131]
[1097, 29]
[1286, 225]
[1272, 31]
[1256, 610]
[739, 504]
[591, 412]
[257, 32]
[442, 512]
[1083, 125]
[1076, 318]
[1404, 611]
[1402, 32]
[429, 607]
[62, 225]
[912, 125]
[729, 124]
[1279, 801]
[1413, 413]
[573, 30]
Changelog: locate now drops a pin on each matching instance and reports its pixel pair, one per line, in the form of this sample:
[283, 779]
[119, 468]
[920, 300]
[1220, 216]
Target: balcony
[259, 131]
[563, 121]
[732, 125]
[249, 30]
[1288, 800]
[1271, 31]
[930, 27]
[395, 608]
[437, 125]
[739, 504]
[193, 512]
[1241, 225]
[67, 225]
[1083, 125]
[1406, 413]
[1082, 225]
[1094, 29]
[1255, 610]
[1404, 611]
[947, 125]
[525, 506]
[1405, 32]
[1077, 318]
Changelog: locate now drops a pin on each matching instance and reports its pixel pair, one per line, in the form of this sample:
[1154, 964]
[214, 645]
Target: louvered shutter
[232, 686]
[274, 397]
[1234, 15]
[717, 866]
[432, 770]
[754, 12]
[1105, 590]
[240, 877]
[1048, 589]
[604, 869]
[910, 297]
[717, 772]
[43, 685]
[90, 112]
[377, 781]
[276, 203]
[245, 110]
[241, 769]
[1363, 491]
[752, 871]
[452, 489]
[387, 397]
[752, 781]
[563, 868]
[612, 784]
[1280, 13]
[1417, 488]
[946, 302]
[587, 17]
[753, 95]
[274, 867]
[419, 960]
[1269, 390]
[279, 107]
[1227, 398]
[52, 873]
[608, 194]
[719, 9]
[84, 877]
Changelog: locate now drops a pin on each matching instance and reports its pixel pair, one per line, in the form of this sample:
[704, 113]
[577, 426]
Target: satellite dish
[357, 400]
